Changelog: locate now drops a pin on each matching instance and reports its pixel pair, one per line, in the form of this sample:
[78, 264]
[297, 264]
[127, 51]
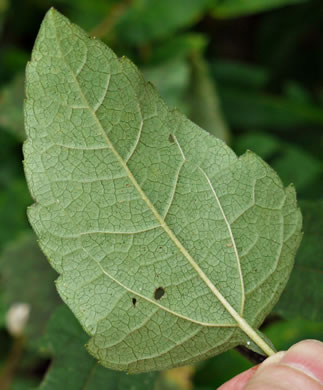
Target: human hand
[299, 368]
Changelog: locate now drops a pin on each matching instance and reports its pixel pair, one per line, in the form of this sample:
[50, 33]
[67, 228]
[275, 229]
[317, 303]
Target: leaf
[299, 166]
[293, 164]
[287, 333]
[220, 369]
[172, 79]
[235, 8]
[303, 297]
[205, 107]
[264, 144]
[246, 103]
[297, 92]
[65, 340]
[282, 34]
[179, 47]
[13, 202]
[90, 14]
[27, 278]
[245, 109]
[11, 102]
[23, 384]
[148, 20]
[170, 249]
[10, 164]
[3, 9]
[239, 74]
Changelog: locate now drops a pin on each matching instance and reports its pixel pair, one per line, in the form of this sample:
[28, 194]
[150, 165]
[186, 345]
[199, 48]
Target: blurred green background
[249, 72]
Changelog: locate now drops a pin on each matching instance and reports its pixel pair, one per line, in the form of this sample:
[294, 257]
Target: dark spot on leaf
[134, 302]
[171, 139]
[159, 292]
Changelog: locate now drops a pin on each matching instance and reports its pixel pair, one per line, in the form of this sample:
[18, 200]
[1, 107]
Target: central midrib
[240, 321]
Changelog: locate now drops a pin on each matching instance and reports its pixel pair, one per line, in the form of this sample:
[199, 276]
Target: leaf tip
[53, 14]
[50, 13]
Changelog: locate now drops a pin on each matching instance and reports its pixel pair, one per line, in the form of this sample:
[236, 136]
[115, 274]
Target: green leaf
[247, 108]
[303, 297]
[179, 47]
[298, 166]
[23, 384]
[89, 14]
[296, 91]
[205, 106]
[3, 9]
[282, 34]
[264, 144]
[73, 368]
[10, 163]
[27, 278]
[148, 20]
[287, 333]
[239, 74]
[13, 202]
[293, 164]
[235, 8]
[170, 249]
[220, 369]
[172, 79]
[11, 102]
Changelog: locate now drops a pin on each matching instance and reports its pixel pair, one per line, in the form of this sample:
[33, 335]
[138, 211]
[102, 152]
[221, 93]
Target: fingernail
[306, 356]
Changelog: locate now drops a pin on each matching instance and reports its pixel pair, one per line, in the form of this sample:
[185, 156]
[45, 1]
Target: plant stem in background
[205, 106]
[8, 371]
[111, 19]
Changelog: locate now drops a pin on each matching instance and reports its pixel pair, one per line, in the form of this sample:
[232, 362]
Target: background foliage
[252, 70]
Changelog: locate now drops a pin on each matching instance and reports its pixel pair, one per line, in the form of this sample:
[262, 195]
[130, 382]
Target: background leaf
[11, 107]
[293, 163]
[13, 205]
[171, 79]
[303, 296]
[247, 109]
[234, 8]
[24, 261]
[154, 19]
[204, 102]
[73, 368]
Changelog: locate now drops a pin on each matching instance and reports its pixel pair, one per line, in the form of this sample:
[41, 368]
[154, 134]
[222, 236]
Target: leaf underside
[162, 237]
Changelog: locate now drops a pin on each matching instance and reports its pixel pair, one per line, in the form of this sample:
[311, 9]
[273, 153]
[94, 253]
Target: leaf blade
[147, 198]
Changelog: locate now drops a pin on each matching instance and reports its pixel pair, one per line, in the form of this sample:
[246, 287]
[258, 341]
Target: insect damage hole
[134, 302]
[159, 293]
[171, 138]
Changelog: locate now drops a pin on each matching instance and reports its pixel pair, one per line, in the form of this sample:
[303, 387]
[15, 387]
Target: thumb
[300, 368]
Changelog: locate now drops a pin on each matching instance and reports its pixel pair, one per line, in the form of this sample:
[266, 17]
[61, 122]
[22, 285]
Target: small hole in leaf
[134, 302]
[171, 139]
[159, 292]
